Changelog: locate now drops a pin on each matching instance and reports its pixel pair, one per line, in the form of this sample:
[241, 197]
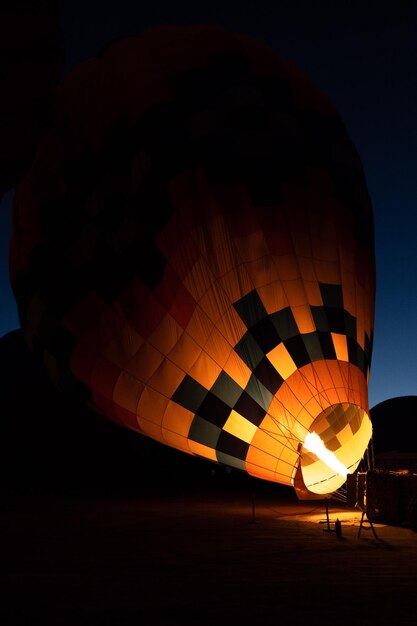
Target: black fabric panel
[336, 320]
[229, 444]
[204, 432]
[214, 410]
[190, 394]
[249, 351]
[250, 309]
[352, 351]
[320, 318]
[332, 295]
[250, 409]
[313, 347]
[268, 375]
[259, 393]
[226, 389]
[285, 324]
[327, 345]
[350, 325]
[297, 350]
[265, 334]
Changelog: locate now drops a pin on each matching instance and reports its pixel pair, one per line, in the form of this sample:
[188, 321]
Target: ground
[200, 558]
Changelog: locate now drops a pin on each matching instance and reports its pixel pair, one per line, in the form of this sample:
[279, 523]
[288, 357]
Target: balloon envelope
[193, 254]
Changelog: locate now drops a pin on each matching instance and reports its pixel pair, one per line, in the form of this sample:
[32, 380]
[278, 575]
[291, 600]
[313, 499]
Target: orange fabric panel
[231, 326]
[313, 293]
[176, 441]
[166, 334]
[237, 369]
[303, 319]
[167, 378]
[273, 297]
[200, 326]
[145, 362]
[218, 348]
[295, 292]
[152, 405]
[205, 370]
[104, 376]
[307, 269]
[177, 419]
[185, 352]
[236, 283]
[327, 272]
[200, 279]
[122, 348]
[215, 302]
[287, 267]
[251, 247]
[127, 392]
[262, 271]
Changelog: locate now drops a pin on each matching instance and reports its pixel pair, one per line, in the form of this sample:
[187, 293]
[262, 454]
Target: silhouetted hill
[395, 424]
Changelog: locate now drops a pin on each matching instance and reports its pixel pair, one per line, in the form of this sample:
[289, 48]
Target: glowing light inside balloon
[313, 443]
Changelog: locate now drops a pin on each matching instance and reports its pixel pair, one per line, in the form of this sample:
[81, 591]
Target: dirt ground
[201, 559]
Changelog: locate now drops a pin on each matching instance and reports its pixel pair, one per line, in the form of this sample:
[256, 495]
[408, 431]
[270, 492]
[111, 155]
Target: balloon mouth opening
[334, 446]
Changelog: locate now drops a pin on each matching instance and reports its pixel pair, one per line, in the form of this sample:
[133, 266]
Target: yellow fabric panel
[152, 406]
[340, 346]
[145, 362]
[166, 335]
[124, 346]
[236, 283]
[215, 302]
[252, 246]
[231, 326]
[262, 271]
[282, 361]
[127, 392]
[295, 292]
[176, 441]
[199, 280]
[327, 272]
[167, 378]
[205, 370]
[185, 353]
[200, 326]
[273, 297]
[313, 293]
[218, 348]
[347, 259]
[202, 450]
[177, 419]
[303, 319]
[237, 369]
[287, 266]
[240, 427]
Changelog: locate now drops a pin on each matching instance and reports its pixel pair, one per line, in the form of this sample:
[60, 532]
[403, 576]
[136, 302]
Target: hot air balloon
[193, 255]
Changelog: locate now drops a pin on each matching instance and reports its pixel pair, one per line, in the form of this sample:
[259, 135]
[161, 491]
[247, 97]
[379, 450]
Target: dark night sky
[363, 56]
